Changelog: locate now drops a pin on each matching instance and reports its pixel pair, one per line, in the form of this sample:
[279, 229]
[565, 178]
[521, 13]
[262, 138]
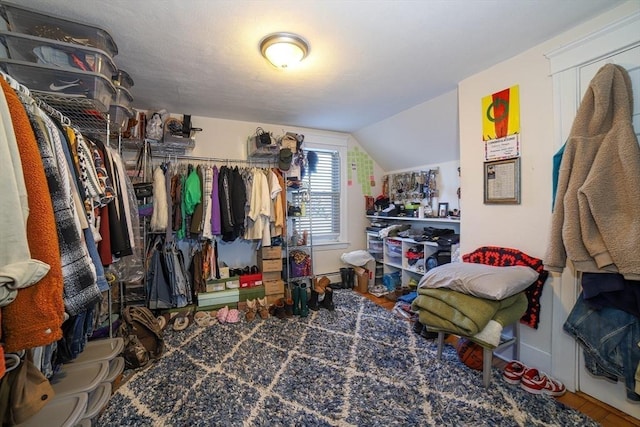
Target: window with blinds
[322, 201]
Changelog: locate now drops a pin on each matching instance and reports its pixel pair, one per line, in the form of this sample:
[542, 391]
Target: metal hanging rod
[212, 159]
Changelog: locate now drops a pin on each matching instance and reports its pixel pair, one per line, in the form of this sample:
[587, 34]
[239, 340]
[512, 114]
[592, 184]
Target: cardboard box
[271, 265]
[218, 298]
[271, 275]
[251, 293]
[270, 252]
[271, 299]
[362, 279]
[224, 272]
[250, 280]
[218, 306]
[233, 283]
[216, 285]
[273, 287]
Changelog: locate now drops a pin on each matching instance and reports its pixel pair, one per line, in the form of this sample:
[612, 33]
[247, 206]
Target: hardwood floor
[602, 413]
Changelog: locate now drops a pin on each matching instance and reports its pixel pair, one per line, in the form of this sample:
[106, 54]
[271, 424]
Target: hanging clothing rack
[221, 160]
[33, 97]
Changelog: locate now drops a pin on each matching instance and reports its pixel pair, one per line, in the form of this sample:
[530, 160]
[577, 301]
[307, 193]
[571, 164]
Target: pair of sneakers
[532, 380]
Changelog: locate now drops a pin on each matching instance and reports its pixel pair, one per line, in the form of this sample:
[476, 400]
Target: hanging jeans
[180, 284]
[609, 338]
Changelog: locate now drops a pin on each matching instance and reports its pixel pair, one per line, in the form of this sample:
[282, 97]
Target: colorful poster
[501, 124]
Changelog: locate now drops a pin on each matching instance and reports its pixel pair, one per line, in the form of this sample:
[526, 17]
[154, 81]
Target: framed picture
[502, 182]
[443, 210]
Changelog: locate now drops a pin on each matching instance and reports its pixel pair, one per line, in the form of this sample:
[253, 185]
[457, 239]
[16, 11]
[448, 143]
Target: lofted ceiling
[369, 59]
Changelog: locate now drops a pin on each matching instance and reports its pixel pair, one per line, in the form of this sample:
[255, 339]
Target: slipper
[182, 321]
[233, 316]
[202, 318]
[165, 319]
[222, 314]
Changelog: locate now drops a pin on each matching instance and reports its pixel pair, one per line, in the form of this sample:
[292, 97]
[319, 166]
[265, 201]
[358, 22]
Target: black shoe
[418, 327]
[428, 334]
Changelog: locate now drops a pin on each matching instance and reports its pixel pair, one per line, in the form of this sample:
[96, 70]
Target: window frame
[339, 145]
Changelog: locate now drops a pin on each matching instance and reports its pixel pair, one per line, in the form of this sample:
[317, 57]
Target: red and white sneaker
[513, 372]
[537, 382]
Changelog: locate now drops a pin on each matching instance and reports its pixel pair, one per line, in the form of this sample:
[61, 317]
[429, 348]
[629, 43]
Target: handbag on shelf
[262, 138]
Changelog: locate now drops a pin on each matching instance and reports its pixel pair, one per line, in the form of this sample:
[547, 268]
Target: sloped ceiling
[368, 61]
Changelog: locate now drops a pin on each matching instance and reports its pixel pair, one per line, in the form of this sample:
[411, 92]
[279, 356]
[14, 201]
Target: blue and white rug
[356, 366]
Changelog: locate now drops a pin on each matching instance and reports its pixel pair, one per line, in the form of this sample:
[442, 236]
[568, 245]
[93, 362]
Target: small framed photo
[502, 182]
[443, 210]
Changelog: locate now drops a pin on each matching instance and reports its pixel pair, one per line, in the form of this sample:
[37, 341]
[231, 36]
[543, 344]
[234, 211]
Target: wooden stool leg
[440, 344]
[487, 359]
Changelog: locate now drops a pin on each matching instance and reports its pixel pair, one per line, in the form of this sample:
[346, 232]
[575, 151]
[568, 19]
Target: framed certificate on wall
[502, 182]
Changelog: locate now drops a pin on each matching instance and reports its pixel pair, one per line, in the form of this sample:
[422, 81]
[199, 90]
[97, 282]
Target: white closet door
[613, 394]
[603, 390]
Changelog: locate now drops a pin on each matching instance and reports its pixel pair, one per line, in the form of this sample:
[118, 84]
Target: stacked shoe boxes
[270, 263]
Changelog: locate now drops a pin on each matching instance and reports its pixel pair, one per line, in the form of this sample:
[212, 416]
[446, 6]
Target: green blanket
[465, 314]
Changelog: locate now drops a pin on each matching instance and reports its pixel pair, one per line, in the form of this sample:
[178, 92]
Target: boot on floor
[304, 310]
[321, 284]
[344, 278]
[295, 294]
[313, 301]
[351, 278]
[327, 302]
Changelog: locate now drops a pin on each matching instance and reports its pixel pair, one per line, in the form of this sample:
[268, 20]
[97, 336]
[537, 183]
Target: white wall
[425, 134]
[524, 226]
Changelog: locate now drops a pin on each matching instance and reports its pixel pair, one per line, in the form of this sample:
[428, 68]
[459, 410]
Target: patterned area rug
[356, 366]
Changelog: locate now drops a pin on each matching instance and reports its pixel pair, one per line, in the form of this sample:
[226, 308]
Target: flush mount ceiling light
[284, 50]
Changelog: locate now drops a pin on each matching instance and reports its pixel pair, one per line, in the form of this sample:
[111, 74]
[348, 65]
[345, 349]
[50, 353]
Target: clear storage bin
[122, 97]
[119, 116]
[35, 23]
[122, 78]
[23, 47]
[62, 82]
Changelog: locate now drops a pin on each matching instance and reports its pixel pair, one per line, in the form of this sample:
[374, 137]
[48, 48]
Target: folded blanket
[494, 255]
[465, 314]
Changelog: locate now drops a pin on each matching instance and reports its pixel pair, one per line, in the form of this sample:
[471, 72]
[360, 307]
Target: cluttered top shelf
[411, 218]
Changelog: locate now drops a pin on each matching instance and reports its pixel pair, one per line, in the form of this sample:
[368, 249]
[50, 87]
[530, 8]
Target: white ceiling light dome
[284, 50]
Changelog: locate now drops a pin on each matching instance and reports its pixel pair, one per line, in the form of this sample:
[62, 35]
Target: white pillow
[480, 280]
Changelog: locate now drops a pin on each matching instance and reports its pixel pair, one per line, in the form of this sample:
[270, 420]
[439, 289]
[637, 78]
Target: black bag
[142, 337]
[262, 138]
[143, 189]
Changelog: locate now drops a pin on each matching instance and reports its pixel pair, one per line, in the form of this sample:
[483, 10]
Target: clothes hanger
[13, 360]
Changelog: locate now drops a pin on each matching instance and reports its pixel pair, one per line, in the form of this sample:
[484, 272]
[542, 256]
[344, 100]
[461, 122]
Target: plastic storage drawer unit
[39, 50]
[62, 82]
[28, 21]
